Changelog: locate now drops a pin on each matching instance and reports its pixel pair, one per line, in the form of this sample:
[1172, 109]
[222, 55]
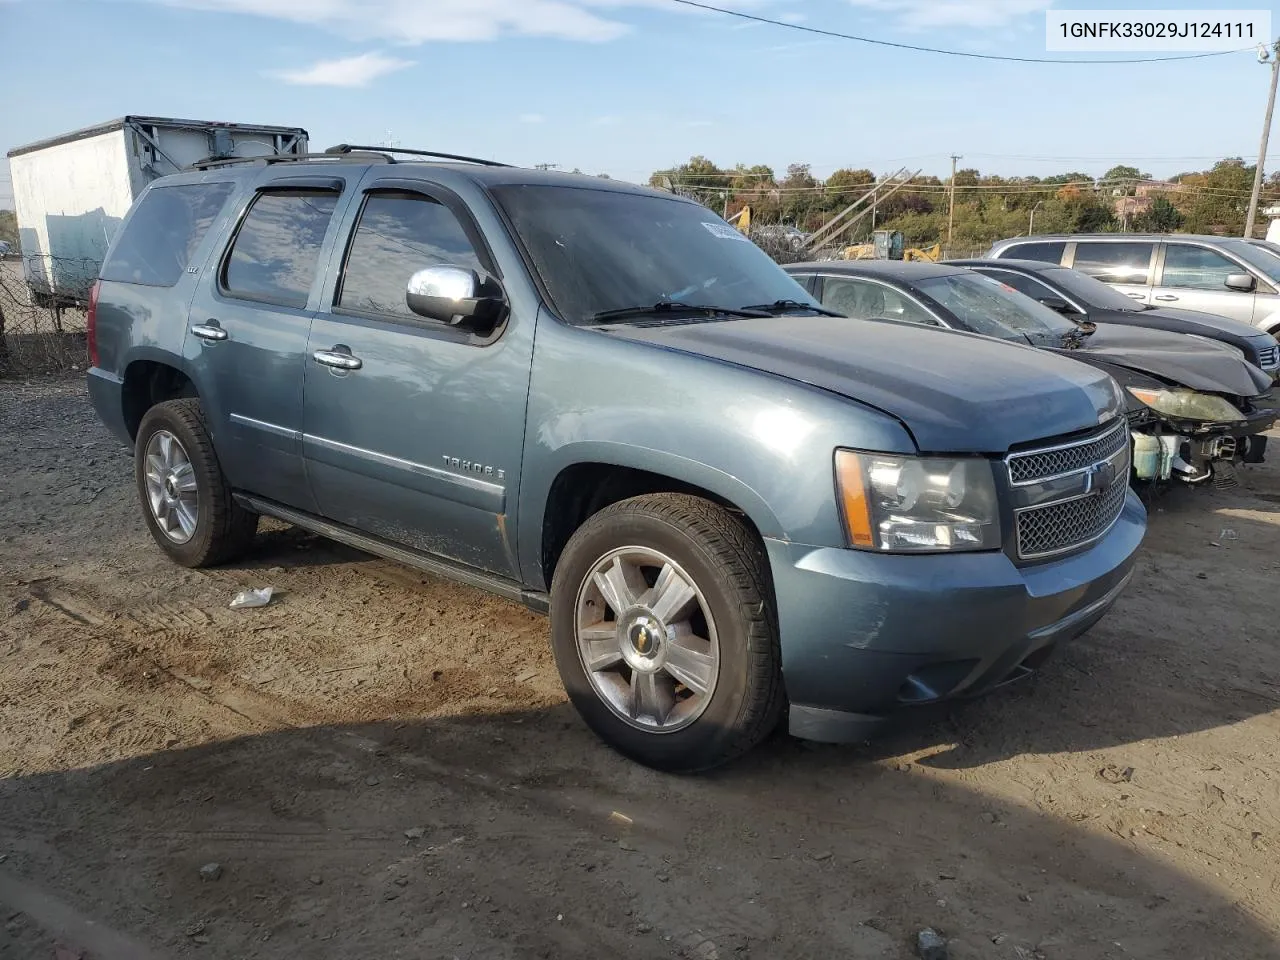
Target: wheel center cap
[642, 642]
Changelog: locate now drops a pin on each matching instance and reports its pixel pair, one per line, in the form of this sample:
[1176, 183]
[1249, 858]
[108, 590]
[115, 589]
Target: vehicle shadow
[1180, 653]
[519, 835]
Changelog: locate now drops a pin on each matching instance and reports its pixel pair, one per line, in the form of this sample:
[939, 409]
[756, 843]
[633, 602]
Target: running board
[533, 599]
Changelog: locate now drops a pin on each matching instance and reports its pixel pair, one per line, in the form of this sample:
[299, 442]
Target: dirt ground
[383, 764]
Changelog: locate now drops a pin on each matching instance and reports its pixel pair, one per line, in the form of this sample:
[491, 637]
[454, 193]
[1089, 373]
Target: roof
[1008, 263]
[1120, 237]
[120, 122]
[477, 172]
[893, 269]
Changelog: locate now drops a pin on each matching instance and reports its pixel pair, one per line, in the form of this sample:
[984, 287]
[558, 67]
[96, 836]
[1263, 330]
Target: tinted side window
[1022, 283]
[1196, 267]
[1114, 262]
[164, 232]
[398, 235]
[275, 252]
[864, 300]
[1048, 251]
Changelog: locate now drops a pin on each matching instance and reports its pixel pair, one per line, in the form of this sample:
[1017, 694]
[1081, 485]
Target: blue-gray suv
[605, 402]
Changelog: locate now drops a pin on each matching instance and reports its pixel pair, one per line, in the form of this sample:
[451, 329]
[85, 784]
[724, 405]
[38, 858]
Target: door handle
[1135, 296]
[209, 331]
[338, 357]
[1167, 297]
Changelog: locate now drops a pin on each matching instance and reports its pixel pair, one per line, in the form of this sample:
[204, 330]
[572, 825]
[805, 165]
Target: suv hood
[955, 392]
[1205, 365]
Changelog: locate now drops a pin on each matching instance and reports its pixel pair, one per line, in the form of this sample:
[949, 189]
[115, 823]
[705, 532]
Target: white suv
[1222, 275]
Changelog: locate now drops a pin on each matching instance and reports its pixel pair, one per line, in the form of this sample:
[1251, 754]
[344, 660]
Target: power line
[949, 53]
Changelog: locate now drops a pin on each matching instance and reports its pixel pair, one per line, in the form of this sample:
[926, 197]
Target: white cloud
[532, 118]
[607, 121]
[347, 72]
[414, 22]
[420, 21]
[935, 14]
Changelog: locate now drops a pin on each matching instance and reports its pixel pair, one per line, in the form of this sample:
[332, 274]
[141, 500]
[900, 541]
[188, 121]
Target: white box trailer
[71, 191]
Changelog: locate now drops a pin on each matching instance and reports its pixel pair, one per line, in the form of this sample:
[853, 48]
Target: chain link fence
[37, 335]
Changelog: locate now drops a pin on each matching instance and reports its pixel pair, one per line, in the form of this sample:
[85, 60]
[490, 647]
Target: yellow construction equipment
[742, 219]
[887, 245]
[931, 254]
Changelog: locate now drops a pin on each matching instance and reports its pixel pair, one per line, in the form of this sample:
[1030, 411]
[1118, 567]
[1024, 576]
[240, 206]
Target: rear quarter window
[1044, 251]
[157, 243]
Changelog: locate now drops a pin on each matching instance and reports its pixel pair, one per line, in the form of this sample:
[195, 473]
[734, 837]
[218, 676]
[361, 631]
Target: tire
[730, 627]
[220, 529]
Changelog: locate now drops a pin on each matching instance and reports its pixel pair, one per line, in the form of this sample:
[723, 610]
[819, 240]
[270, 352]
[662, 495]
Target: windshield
[1092, 291]
[600, 250]
[990, 307]
[1260, 258]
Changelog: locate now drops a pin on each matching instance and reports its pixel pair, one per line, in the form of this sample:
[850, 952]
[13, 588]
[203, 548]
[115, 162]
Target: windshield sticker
[725, 232]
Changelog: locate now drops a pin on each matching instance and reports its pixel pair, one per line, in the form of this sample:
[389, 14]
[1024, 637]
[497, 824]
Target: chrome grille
[1269, 357]
[1044, 531]
[1068, 495]
[1034, 465]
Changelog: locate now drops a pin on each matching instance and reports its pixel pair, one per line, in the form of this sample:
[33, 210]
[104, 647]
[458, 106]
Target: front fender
[760, 442]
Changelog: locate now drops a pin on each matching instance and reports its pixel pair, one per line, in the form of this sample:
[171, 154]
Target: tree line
[987, 207]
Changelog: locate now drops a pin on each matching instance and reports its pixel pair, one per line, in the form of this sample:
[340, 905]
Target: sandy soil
[383, 765]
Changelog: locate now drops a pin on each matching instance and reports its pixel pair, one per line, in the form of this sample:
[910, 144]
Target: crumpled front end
[1169, 447]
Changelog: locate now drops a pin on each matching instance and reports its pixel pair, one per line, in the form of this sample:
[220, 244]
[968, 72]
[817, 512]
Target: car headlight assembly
[899, 504]
[1186, 404]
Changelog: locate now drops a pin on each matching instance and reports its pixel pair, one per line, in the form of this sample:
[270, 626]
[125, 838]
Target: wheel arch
[1270, 324]
[591, 476]
[151, 377]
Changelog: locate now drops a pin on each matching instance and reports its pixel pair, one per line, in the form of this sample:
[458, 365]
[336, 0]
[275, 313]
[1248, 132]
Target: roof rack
[357, 154]
[347, 149]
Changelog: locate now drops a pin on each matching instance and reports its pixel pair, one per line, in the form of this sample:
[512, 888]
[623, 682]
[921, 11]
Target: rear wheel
[186, 500]
[664, 632]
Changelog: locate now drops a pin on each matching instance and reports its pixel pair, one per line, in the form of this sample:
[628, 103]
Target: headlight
[917, 505]
[1188, 404]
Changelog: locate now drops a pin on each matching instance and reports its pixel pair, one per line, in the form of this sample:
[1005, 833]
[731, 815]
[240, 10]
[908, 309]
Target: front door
[414, 429]
[1194, 278]
[248, 336]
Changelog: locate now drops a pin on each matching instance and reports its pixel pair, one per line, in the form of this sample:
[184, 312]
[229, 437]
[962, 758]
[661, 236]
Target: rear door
[419, 439]
[1193, 277]
[1126, 265]
[248, 331]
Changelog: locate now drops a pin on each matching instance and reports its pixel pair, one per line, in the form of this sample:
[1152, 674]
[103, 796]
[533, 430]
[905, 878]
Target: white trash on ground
[252, 598]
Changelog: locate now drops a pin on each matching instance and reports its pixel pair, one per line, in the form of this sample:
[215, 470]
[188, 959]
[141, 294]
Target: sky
[625, 87]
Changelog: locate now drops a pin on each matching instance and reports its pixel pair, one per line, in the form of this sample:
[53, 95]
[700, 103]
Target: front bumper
[865, 635]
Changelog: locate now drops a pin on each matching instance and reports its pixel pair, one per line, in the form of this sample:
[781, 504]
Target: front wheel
[664, 632]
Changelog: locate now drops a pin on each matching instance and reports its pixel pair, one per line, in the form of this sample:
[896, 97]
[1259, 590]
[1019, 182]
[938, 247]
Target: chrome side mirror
[1243, 282]
[456, 296]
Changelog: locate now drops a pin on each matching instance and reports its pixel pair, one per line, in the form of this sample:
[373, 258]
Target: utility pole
[951, 206]
[1031, 224]
[1264, 55]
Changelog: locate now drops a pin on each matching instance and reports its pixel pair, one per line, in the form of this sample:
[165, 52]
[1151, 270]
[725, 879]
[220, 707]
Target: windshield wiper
[674, 306]
[783, 306]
